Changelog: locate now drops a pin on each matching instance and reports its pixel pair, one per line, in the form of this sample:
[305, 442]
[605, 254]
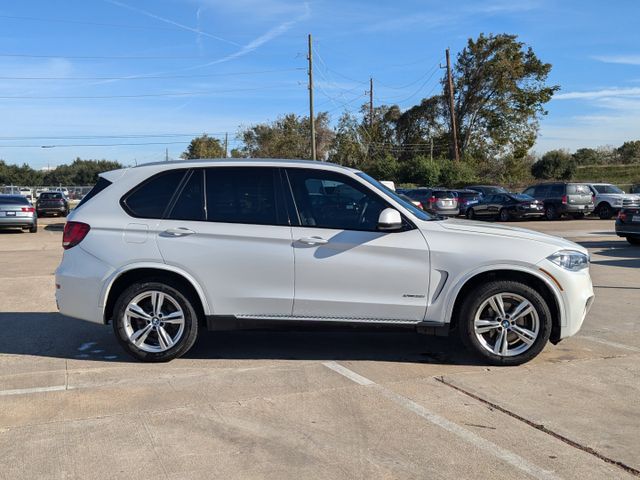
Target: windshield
[607, 189]
[421, 214]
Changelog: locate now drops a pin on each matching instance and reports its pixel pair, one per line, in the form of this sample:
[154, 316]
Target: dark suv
[563, 198]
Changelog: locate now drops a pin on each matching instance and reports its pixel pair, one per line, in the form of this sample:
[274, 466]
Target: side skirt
[231, 322]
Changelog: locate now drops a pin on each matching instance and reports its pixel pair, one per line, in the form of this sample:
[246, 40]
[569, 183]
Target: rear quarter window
[151, 198]
[100, 185]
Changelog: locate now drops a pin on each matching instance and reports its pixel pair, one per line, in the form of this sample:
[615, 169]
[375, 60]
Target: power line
[110, 57]
[143, 95]
[83, 22]
[94, 145]
[90, 137]
[144, 77]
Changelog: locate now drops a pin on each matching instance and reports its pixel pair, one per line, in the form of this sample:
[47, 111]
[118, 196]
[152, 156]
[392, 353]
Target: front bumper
[576, 293]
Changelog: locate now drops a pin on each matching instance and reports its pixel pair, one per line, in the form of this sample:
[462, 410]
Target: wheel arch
[523, 275]
[121, 279]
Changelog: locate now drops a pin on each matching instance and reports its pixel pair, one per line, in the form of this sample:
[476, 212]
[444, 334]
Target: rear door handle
[178, 232]
[313, 241]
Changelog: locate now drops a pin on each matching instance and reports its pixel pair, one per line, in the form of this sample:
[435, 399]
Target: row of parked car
[551, 200]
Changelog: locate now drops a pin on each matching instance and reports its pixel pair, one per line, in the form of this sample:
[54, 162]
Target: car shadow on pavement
[55, 227]
[50, 334]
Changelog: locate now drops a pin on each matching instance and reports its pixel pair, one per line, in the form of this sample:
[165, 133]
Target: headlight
[570, 260]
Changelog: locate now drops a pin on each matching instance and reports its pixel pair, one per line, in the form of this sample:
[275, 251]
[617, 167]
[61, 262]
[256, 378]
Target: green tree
[629, 152]
[456, 174]
[555, 164]
[500, 91]
[586, 156]
[203, 147]
[287, 137]
[420, 170]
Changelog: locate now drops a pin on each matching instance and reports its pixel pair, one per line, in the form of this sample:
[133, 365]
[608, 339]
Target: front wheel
[504, 215]
[505, 322]
[471, 214]
[605, 212]
[550, 213]
[633, 240]
[155, 321]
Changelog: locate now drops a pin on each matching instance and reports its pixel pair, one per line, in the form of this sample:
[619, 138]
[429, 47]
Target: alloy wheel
[506, 324]
[154, 321]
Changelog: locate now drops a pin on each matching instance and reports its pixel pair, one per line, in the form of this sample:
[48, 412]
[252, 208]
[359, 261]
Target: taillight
[74, 233]
[433, 200]
[564, 199]
[420, 205]
[593, 199]
[28, 209]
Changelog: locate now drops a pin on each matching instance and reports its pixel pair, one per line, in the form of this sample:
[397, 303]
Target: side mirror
[389, 220]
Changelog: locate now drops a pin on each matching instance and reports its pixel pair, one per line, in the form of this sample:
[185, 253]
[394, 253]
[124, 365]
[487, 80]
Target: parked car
[635, 188]
[609, 199]
[54, 203]
[563, 198]
[17, 212]
[628, 225]
[507, 206]
[143, 253]
[415, 203]
[487, 189]
[466, 199]
[436, 200]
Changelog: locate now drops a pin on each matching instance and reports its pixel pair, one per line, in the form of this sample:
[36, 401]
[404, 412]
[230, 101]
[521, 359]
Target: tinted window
[50, 196]
[523, 197]
[419, 194]
[190, 202]
[583, 190]
[151, 198]
[468, 195]
[542, 191]
[490, 199]
[97, 188]
[14, 200]
[330, 200]
[529, 191]
[443, 194]
[556, 191]
[421, 214]
[242, 195]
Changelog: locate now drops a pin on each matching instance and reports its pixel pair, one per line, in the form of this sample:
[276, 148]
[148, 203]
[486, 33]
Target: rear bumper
[80, 278]
[51, 209]
[449, 211]
[586, 209]
[13, 222]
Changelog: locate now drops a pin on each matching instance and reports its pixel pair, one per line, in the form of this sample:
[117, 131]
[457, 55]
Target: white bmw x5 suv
[163, 250]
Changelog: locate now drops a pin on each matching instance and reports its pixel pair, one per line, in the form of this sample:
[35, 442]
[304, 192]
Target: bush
[555, 164]
[420, 170]
[456, 174]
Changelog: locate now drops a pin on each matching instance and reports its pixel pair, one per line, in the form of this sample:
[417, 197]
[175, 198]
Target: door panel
[228, 228]
[344, 267]
[361, 275]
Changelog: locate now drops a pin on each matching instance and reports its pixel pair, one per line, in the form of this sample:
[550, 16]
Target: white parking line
[609, 343]
[23, 391]
[507, 456]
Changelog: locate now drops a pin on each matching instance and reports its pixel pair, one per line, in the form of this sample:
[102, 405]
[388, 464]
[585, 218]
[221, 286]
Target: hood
[482, 228]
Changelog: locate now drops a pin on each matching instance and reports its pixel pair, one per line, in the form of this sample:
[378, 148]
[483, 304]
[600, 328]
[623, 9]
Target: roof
[244, 161]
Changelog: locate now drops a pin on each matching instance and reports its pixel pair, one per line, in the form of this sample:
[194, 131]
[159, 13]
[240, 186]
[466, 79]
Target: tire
[504, 215]
[476, 310]
[34, 228]
[471, 214]
[633, 240]
[605, 212]
[156, 345]
[550, 213]
[578, 216]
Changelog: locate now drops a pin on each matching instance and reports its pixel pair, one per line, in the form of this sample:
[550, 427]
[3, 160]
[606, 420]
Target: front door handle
[313, 241]
[178, 232]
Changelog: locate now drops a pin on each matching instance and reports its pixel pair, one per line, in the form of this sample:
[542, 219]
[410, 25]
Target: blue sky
[213, 65]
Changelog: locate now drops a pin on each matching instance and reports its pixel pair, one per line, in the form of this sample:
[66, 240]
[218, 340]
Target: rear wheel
[605, 212]
[471, 214]
[504, 215]
[633, 240]
[550, 213]
[155, 321]
[34, 228]
[505, 322]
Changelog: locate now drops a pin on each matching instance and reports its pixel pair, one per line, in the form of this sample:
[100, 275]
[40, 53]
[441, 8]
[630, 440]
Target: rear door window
[151, 198]
[248, 195]
[190, 202]
[556, 191]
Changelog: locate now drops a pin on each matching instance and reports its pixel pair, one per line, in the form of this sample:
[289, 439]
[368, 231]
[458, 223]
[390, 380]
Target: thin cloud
[621, 59]
[595, 94]
[170, 22]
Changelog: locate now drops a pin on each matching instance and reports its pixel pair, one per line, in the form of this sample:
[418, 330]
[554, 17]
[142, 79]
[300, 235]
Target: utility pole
[370, 103]
[454, 131]
[166, 154]
[431, 150]
[226, 144]
[312, 119]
